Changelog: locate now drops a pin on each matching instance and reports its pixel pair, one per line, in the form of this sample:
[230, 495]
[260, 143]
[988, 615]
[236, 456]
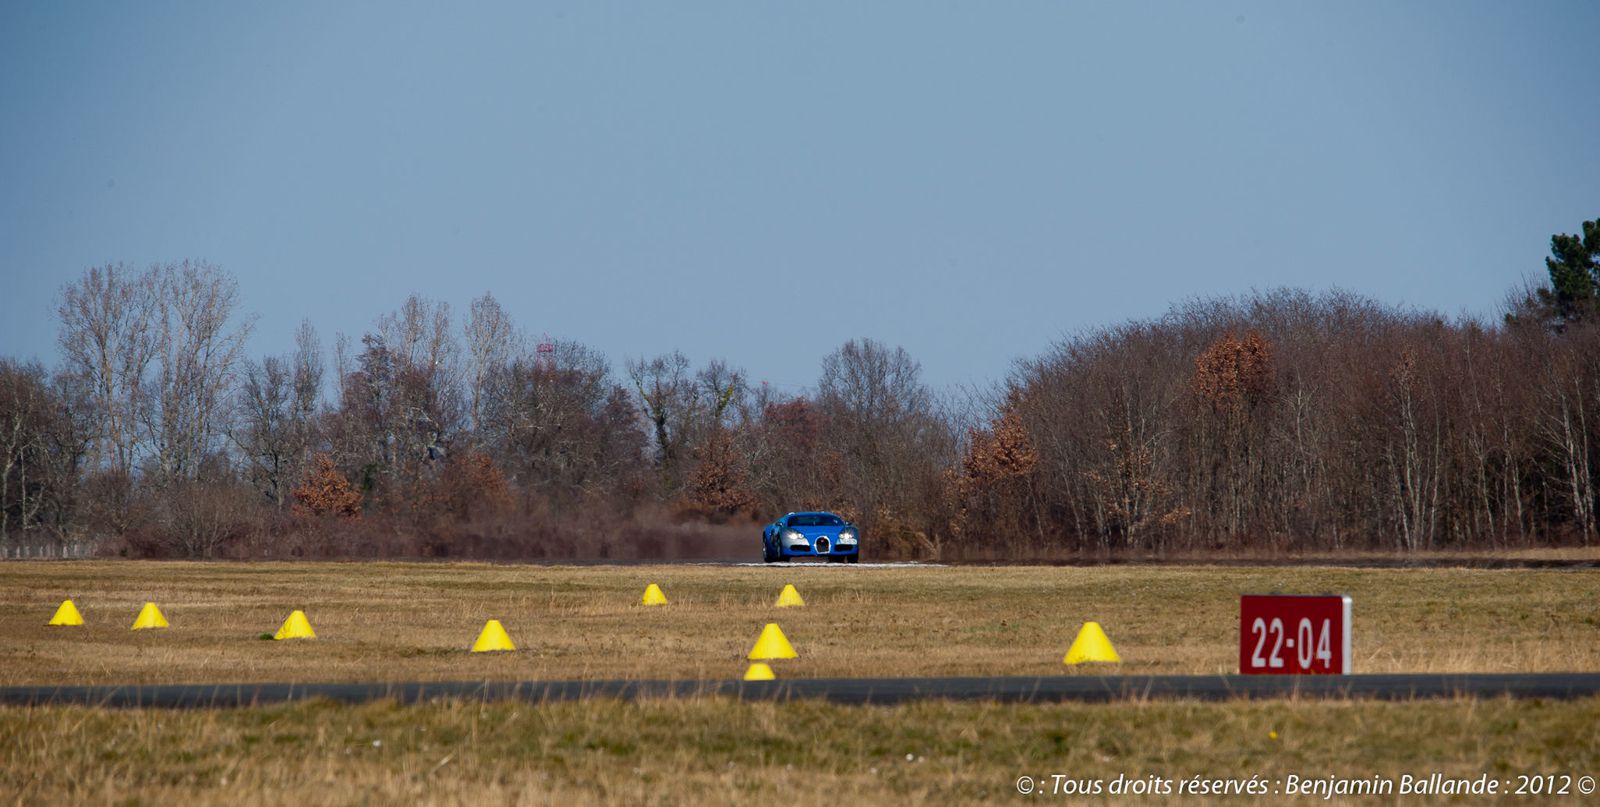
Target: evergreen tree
[1574, 266]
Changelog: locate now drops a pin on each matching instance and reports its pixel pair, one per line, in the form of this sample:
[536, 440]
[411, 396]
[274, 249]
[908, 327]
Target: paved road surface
[843, 690]
[1536, 564]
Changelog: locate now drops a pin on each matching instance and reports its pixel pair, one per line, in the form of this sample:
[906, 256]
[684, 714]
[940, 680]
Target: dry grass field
[719, 752]
[395, 622]
[390, 622]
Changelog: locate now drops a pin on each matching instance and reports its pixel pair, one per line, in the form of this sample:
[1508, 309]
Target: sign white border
[1349, 628]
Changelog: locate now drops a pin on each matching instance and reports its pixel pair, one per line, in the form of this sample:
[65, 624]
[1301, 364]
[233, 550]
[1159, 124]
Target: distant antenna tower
[546, 358]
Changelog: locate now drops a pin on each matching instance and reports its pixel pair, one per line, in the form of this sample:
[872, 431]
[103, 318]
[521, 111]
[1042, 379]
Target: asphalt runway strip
[838, 690]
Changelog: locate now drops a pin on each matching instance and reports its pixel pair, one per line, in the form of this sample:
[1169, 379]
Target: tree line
[1281, 421]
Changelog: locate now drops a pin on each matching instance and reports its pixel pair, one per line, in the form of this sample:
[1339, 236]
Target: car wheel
[766, 552]
[855, 557]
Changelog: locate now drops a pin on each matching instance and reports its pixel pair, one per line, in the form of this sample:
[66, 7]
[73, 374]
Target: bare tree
[1564, 425]
[399, 404]
[274, 424]
[69, 438]
[873, 385]
[426, 387]
[107, 339]
[201, 517]
[262, 430]
[492, 340]
[418, 335]
[1413, 455]
[26, 410]
[724, 390]
[561, 426]
[198, 345]
[308, 370]
[884, 442]
[671, 401]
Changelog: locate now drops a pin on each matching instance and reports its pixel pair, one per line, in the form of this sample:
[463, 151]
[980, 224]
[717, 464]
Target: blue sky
[762, 181]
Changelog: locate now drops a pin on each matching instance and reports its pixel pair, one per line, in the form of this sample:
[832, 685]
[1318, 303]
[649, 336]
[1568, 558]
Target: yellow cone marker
[492, 638]
[67, 614]
[149, 617]
[759, 671]
[295, 627]
[772, 644]
[789, 597]
[1091, 645]
[653, 596]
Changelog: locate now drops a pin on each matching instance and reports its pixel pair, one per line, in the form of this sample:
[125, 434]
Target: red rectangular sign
[1290, 634]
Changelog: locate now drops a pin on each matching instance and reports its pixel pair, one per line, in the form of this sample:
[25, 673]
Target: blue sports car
[811, 535]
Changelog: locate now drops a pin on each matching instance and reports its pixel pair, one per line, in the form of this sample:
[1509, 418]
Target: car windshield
[815, 520]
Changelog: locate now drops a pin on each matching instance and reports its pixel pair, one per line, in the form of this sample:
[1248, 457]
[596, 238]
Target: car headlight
[847, 536]
[793, 535]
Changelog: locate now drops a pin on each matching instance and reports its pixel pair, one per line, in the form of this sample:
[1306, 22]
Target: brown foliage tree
[325, 491]
[994, 485]
[718, 485]
[470, 486]
[1233, 373]
[1004, 452]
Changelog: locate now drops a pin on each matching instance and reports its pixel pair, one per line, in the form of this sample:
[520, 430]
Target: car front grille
[822, 545]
